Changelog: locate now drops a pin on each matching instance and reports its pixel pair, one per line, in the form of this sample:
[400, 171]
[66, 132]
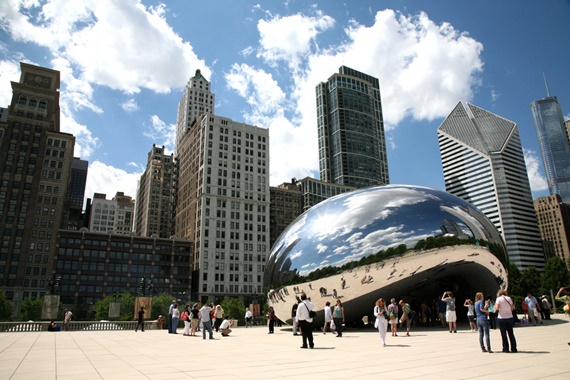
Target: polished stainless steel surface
[388, 241]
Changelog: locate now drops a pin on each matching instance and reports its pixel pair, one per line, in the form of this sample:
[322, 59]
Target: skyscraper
[35, 160]
[554, 224]
[156, 195]
[483, 163]
[74, 218]
[223, 206]
[197, 100]
[554, 145]
[352, 144]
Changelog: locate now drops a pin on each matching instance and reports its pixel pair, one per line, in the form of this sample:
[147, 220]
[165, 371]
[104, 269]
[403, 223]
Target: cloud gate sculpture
[395, 241]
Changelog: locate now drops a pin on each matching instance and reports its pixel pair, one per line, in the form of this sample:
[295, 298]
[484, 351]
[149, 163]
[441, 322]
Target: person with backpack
[406, 316]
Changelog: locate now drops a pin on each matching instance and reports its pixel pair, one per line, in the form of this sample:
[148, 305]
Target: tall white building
[483, 163]
[197, 100]
[223, 206]
[112, 215]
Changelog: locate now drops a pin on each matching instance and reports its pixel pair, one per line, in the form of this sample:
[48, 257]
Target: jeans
[174, 324]
[207, 326]
[483, 326]
[506, 327]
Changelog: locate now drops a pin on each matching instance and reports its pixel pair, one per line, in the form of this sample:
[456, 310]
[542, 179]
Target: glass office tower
[352, 145]
[554, 145]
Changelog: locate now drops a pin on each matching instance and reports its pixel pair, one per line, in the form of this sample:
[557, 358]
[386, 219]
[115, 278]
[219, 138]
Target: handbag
[333, 326]
[312, 314]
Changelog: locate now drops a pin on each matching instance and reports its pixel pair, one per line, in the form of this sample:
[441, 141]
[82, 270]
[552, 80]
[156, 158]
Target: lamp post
[50, 305]
[53, 283]
[144, 285]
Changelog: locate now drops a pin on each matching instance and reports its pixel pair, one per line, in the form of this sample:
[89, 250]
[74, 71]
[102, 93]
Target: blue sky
[124, 65]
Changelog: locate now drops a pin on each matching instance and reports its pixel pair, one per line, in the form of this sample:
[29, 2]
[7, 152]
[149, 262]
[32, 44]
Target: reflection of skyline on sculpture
[360, 223]
[383, 225]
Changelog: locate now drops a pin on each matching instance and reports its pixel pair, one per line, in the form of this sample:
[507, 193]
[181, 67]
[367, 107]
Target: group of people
[210, 318]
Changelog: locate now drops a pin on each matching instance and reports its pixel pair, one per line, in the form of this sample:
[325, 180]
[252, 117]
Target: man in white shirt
[305, 321]
[328, 317]
[205, 314]
[248, 317]
[225, 326]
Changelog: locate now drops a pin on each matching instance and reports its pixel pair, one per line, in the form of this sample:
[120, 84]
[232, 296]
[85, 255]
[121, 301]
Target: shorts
[450, 316]
[471, 318]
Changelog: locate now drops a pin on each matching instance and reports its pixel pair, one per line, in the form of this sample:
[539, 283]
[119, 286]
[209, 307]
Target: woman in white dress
[381, 314]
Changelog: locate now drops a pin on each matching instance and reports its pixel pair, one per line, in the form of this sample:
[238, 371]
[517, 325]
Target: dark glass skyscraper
[352, 144]
[554, 145]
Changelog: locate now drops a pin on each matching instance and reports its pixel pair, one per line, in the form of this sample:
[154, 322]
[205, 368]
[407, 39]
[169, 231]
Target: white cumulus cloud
[537, 180]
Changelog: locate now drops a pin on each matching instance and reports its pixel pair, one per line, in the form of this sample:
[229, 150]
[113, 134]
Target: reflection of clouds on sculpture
[408, 241]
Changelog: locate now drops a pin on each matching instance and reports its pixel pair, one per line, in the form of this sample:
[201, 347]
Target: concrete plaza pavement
[252, 353]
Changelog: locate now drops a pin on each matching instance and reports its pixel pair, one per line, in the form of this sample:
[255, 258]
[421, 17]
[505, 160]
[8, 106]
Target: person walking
[328, 317]
[505, 308]
[450, 313]
[393, 316]
[175, 318]
[67, 316]
[294, 317]
[170, 308]
[406, 316]
[140, 321]
[206, 315]
[338, 317]
[481, 309]
[546, 308]
[381, 314]
[247, 317]
[271, 320]
[305, 321]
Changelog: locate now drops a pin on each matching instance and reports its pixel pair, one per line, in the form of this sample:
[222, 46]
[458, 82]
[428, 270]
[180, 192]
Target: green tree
[530, 281]
[514, 280]
[127, 302]
[160, 305]
[31, 309]
[234, 308]
[5, 308]
[555, 275]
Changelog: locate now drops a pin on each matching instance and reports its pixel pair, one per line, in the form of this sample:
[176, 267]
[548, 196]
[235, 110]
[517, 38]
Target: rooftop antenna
[546, 84]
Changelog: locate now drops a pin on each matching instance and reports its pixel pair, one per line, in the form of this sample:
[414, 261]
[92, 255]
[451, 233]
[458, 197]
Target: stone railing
[76, 326]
